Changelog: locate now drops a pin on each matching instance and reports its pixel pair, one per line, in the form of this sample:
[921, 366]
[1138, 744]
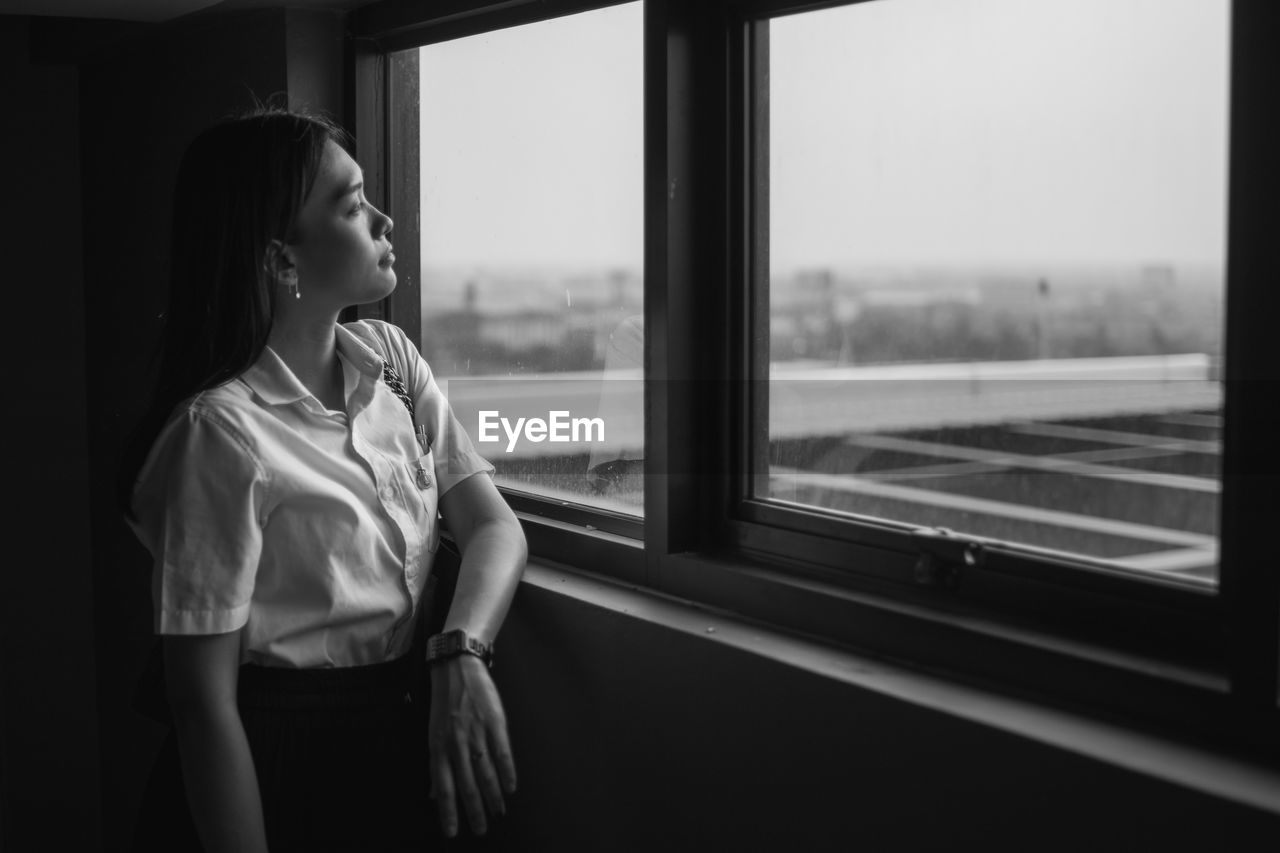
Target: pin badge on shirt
[424, 479]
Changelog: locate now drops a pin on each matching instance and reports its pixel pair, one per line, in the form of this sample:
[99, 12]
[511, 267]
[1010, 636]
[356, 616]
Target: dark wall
[631, 735]
[313, 41]
[48, 738]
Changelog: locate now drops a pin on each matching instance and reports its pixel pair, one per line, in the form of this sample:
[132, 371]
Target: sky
[902, 132]
[532, 144]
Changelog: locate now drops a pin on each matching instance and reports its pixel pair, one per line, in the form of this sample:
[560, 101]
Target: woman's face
[341, 253]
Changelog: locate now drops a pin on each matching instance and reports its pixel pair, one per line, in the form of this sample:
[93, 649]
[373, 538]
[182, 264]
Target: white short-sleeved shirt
[308, 528]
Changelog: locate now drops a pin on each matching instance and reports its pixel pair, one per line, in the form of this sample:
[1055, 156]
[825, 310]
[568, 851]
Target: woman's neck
[310, 350]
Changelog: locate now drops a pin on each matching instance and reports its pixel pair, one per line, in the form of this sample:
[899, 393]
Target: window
[949, 353]
[996, 253]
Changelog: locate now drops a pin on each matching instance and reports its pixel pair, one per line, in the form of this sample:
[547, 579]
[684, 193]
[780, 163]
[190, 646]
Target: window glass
[996, 259]
[532, 241]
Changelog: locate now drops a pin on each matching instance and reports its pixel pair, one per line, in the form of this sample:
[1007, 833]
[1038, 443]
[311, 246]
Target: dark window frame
[1203, 664]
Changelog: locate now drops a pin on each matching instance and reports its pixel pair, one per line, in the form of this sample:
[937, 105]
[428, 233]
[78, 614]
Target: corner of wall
[314, 45]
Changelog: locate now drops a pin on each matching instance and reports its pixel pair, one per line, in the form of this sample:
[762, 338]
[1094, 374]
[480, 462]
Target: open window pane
[532, 242]
[996, 260]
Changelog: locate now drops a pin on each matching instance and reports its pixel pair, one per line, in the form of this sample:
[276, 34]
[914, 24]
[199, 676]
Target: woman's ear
[279, 265]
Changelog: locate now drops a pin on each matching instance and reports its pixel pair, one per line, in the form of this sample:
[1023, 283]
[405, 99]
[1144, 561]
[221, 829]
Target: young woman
[290, 498]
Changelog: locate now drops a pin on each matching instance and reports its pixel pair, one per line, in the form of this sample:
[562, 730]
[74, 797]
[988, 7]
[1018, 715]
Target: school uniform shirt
[309, 528]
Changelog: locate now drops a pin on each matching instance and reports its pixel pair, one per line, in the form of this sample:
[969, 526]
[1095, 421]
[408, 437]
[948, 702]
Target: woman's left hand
[470, 753]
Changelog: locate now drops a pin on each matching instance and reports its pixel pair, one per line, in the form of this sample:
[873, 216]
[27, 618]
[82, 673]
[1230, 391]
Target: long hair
[241, 185]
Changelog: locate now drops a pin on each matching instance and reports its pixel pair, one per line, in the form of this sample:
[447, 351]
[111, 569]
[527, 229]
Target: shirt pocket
[423, 475]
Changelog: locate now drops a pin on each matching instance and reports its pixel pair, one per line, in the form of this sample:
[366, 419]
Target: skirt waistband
[398, 681]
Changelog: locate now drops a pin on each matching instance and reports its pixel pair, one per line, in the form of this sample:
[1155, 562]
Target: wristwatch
[457, 642]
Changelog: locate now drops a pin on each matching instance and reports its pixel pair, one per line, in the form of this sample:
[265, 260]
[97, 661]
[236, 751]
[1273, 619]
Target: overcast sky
[903, 131]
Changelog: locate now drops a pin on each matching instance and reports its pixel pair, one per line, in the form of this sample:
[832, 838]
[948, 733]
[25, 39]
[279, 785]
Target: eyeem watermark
[558, 427]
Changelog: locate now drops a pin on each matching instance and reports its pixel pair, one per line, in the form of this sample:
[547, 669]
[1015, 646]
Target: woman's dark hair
[241, 184]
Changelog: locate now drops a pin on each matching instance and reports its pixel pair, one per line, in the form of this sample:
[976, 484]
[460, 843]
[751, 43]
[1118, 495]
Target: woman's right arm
[217, 767]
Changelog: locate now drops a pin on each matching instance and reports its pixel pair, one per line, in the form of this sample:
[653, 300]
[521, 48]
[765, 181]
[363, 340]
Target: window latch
[943, 556]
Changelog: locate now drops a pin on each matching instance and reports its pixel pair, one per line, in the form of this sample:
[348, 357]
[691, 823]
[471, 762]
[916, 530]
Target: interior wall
[48, 733]
[313, 39]
[631, 736]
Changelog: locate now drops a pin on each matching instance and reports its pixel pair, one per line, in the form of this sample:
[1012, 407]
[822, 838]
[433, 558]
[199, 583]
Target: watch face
[449, 642]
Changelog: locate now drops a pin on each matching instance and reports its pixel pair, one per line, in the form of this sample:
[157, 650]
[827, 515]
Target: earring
[291, 283]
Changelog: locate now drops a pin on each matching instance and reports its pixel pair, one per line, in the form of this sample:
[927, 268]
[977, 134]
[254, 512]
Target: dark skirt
[341, 760]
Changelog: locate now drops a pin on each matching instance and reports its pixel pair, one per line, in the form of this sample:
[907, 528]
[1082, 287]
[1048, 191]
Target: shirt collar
[272, 380]
[359, 353]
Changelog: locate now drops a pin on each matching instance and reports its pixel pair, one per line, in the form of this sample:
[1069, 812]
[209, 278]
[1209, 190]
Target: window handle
[943, 556]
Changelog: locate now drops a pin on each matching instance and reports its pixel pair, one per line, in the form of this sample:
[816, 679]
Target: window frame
[1000, 574]
[1201, 664]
